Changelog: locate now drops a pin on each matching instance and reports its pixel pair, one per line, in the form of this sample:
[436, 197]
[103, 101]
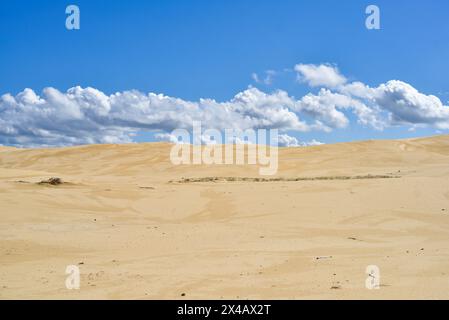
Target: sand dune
[136, 232]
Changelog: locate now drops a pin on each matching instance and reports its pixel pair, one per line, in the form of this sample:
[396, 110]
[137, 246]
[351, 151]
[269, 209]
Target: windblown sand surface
[218, 232]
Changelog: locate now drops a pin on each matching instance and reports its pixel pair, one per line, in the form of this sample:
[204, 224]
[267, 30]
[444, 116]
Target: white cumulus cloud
[392, 103]
[286, 140]
[320, 75]
[87, 115]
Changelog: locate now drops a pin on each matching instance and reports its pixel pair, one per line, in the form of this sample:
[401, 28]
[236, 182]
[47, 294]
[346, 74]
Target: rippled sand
[141, 228]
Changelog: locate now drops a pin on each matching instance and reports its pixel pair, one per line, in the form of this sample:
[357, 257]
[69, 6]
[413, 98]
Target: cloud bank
[87, 115]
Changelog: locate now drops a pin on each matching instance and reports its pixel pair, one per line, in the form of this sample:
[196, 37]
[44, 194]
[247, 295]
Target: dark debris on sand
[52, 182]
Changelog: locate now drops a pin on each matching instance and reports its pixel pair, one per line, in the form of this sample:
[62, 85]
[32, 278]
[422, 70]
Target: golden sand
[140, 228]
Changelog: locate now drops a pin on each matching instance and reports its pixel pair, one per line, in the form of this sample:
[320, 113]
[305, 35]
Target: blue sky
[210, 49]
